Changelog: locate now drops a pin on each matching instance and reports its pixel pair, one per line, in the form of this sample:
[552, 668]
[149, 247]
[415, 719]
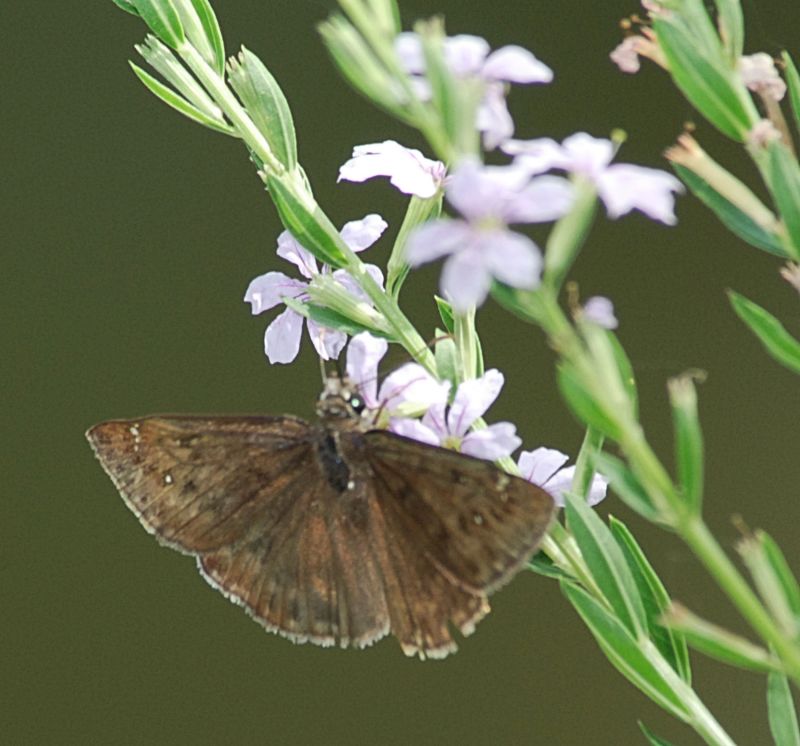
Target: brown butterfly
[331, 533]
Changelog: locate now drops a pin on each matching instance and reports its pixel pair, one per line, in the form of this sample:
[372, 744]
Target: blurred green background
[129, 237]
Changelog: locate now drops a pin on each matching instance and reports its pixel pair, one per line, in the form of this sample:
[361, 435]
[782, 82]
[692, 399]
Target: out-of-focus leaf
[778, 342]
[782, 714]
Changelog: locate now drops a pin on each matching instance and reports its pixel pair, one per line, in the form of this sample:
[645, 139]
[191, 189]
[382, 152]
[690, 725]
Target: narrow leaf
[266, 105]
[607, 564]
[446, 314]
[734, 219]
[625, 371]
[655, 599]
[307, 223]
[522, 303]
[782, 714]
[332, 319]
[731, 28]
[128, 6]
[446, 356]
[689, 454]
[778, 342]
[718, 643]
[622, 651]
[213, 33]
[541, 564]
[169, 97]
[652, 737]
[783, 179]
[582, 403]
[163, 20]
[626, 486]
[708, 86]
[793, 83]
[783, 574]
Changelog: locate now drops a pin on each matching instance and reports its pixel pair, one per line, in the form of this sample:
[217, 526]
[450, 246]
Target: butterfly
[331, 532]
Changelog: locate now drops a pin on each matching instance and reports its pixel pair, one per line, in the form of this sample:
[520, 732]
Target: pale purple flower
[449, 428]
[759, 74]
[626, 55]
[622, 186]
[600, 310]
[407, 169]
[409, 388]
[480, 244]
[282, 338]
[470, 56]
[543, 467]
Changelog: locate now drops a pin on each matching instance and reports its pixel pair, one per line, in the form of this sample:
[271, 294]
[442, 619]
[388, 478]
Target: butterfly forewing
[325, 533]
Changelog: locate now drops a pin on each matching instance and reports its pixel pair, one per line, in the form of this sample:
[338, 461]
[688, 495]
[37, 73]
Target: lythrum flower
[470, 57]
[449, 427]
[600, 310]
[407, 391]
[282, 338]
[479, 244]
[407, 169]
[622, 186]
[543, 467]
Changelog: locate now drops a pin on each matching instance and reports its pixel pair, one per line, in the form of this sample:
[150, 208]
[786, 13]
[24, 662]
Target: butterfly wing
[474, 521]
[200, 483]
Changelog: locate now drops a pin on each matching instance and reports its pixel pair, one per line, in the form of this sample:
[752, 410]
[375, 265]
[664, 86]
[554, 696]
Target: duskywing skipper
[331, 533]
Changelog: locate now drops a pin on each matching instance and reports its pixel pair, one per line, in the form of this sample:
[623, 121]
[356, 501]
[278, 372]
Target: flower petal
[536, 156]
[624, 187]
[292, 251]
[267, 291]
[435, 239]
[327, 342]
[465, 54]
[600, 310]
[407, 169]
[434, 419]
[494, 442]
[465, 280]
[540, 465]
[363, 356]
[413, 429]
[480, 192]
[472, 399]
[512, 258]
[408, 48]
[412, 384]
[586, 154]
[516, 64]
[282, 338]
[545, 198]
[493, 118]
[361, 234]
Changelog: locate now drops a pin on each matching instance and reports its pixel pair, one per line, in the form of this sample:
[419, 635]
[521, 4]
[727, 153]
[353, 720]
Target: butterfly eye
[357, 404]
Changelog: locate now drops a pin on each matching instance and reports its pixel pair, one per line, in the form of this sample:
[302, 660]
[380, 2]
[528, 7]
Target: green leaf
[783, 179]
[584, 464]
[773, 579]
[652, 737]
[731, 28]
[689, 454]
[711, 88]
[266, 105]
[782, 714]
[522, 303]
[306, 222]
[625, 368]
[626, 486]
[655, 600]
[418, 212]
[541, 564]
[446, 314]
[128, 6]
[582, 403]
[607, 564]
[734, 219]
[163, 20]
[213, 33]
[718, 643]
[332, 319]
[793, 83]
[772, 334]
[622, 651]
[169, 97]
[446, 355]
[782, 571]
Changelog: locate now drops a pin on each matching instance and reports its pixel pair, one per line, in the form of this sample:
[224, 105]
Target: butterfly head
[340, 400]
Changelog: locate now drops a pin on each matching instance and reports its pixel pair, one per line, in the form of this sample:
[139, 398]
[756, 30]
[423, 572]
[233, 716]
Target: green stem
[702, 542]
[464, 327]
